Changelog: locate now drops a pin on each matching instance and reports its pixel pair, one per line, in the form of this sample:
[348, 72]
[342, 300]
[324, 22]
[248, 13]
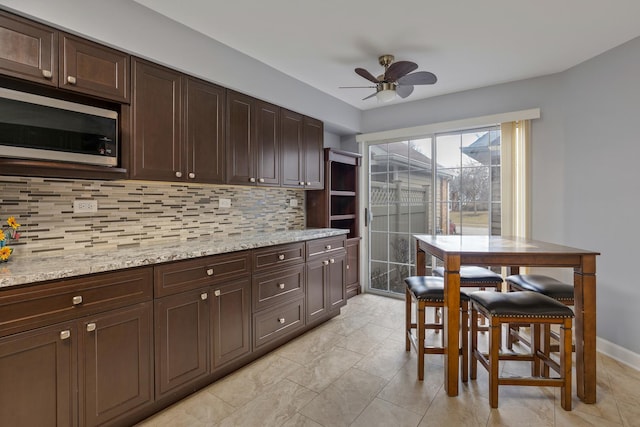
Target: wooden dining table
[513, 253]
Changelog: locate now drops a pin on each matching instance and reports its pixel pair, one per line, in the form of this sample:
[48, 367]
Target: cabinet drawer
[281, 255]
[277, 287]
[277, 322]
[323, 246]
[43, 304]
[192, 274]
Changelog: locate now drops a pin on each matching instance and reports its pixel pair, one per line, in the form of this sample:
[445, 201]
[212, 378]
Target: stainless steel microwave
[37, 127]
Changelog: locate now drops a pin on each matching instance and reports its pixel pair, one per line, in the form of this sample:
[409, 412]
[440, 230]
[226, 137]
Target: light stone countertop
[19, 271]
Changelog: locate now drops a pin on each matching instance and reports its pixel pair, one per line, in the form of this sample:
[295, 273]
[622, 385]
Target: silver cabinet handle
[178, 174]
[347, 266]
[281, 285]
[301, 183]
[65, 335]
[192, 175]
[325, 262]
[328, 247]
[204, 296]
[210, 272]
[281, 320]
[47, 74]
[308, 183]
[281, 257]
[77, 300]
[91, 327]
[217, 292]
[71, 80]
[252, 180]
[261, 180]
[332, 261]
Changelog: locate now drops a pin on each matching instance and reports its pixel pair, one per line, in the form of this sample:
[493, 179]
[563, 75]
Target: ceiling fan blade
[418, 78]
[367, 75]
[404, 90]
[399, 69]
[370, 96]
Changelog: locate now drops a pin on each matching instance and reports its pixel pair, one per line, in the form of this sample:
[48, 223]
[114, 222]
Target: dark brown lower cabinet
[316, 292]
[115, 367]
[336, 281]
[230, 322]
[38, 377]
[353, 267]
[181, 339]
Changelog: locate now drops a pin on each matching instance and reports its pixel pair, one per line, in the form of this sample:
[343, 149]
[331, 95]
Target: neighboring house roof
[479, 149]
[403, 154]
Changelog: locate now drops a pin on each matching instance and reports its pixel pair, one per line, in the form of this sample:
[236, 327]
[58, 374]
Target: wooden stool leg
[565, 364]
[535, 331]
[464, 330]
[474, 344]
[420, 322]
[494, 354]
[407, 345]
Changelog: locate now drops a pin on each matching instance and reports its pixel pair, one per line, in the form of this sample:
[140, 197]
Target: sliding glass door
[450, 186]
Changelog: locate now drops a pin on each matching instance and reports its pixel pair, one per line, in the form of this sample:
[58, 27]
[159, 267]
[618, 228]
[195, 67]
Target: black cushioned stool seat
[522, 307]
[428, 291]
[472, 276]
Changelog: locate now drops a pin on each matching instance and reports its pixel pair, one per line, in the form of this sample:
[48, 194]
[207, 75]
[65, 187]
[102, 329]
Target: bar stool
[428, 291]
[545, 285]
[521, 307]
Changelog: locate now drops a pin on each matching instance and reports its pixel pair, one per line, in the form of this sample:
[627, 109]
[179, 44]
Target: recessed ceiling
[466, 43]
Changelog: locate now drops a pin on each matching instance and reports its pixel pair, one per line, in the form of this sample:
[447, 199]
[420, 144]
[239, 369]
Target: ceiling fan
[397, 78]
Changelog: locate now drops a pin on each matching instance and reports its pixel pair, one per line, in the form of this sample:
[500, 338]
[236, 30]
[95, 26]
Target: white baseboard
[621, 354]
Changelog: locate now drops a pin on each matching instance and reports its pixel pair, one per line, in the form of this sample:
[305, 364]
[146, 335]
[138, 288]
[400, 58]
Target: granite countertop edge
[36, 268]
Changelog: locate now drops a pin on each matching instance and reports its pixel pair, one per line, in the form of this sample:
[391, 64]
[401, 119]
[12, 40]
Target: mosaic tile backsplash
[138, 213]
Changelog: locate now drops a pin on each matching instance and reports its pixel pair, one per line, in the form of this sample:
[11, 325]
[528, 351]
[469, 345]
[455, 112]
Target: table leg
[421, 261]
[451, 321]
[584, 279]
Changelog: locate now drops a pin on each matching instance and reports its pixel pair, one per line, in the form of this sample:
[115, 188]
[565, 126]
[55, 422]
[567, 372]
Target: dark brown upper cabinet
[41, 54]
[302, 158]
[28, 50]
[92, 69]
[177, 126]
[253, 141]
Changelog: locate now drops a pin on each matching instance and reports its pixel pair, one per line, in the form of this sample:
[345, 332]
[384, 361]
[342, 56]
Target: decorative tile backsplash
[134, 213]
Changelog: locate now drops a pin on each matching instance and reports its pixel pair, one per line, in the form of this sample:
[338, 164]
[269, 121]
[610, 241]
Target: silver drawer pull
[328, 247]
[204, 296]
[332, 261]
[178, 174]
[71, 80]
[210, 272]
[77, 300]
[325, 262]
[46, 74]
[261, 180]
[281, 285]
[308, 183]
[281, 320]
[217, 292]
[91, 327]
[281, 257]
[301, 183]
[192, 175]
[65, 335]
[252, 180]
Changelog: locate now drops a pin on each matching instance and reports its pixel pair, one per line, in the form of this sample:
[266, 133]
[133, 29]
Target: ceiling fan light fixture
[386, 92]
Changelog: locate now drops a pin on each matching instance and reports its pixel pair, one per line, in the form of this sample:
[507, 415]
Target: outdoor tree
[471, 187]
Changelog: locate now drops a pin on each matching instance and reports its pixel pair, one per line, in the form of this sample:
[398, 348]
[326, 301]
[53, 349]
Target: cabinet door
[313, 135]
[93, 69]
[28, 50]
[268, 143]
[241, 148]
[115, 363]
[230, 322]
[353, 267]
[156, 123]
[292, 158]
[336, 280]
[316, 293]
[38, 377]
[204, 129]
[181, 339]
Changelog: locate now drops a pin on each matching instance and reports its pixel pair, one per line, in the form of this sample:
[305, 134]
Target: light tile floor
[353, 371]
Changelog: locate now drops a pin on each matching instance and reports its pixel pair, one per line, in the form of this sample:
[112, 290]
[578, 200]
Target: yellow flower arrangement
[5, 237]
